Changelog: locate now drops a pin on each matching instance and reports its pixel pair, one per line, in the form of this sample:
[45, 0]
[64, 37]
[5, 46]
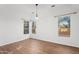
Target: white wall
[11, 25]
[47, 25]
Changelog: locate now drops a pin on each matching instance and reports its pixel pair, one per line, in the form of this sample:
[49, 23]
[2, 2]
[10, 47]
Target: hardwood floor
[34, 46]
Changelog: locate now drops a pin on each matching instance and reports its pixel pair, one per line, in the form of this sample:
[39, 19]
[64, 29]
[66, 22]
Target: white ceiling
[11, 11]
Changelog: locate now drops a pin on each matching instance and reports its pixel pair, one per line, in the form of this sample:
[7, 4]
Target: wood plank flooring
[34, 46]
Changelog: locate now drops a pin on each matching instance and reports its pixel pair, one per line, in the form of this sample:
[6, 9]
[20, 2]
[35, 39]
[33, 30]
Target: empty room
[39, 28]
